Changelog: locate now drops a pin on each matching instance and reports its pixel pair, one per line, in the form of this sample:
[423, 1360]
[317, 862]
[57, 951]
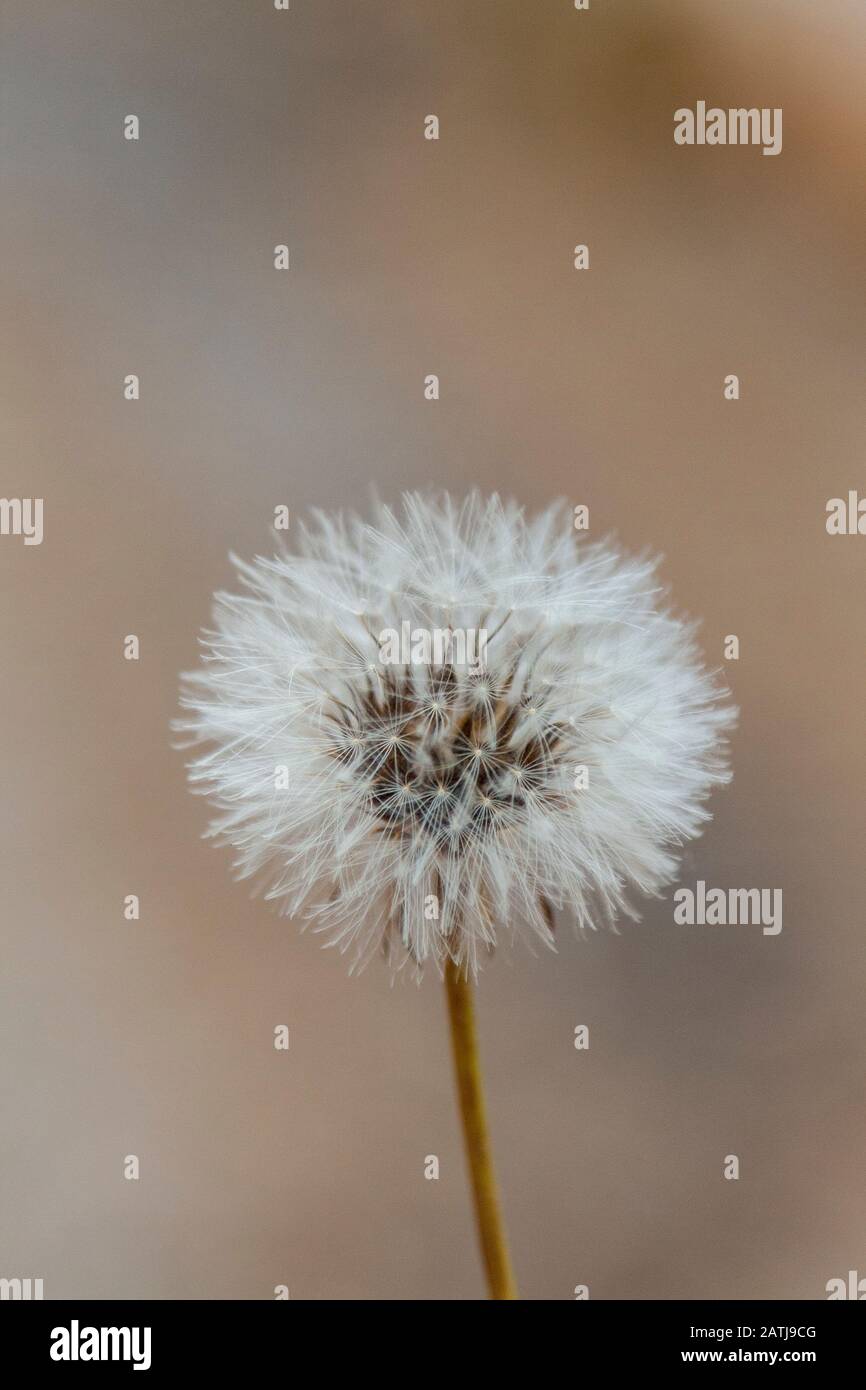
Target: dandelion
[430, 807]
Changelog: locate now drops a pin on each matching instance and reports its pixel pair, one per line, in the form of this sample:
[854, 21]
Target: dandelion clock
[427, 732]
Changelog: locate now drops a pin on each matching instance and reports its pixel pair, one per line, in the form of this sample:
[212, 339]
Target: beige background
[409, 257]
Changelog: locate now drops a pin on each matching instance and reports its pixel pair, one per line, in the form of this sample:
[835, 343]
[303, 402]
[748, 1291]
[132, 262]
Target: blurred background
[411, 257]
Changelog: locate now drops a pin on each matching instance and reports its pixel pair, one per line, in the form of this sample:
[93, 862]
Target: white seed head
[431, 805]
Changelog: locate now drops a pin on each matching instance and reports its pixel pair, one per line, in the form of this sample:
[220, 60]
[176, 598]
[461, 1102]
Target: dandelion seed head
[430, 808]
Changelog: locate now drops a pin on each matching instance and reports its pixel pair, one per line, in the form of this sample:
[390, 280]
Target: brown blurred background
[257, 388]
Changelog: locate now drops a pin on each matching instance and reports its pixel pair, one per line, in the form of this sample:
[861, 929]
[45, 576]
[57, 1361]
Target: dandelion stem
[467, 1068]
